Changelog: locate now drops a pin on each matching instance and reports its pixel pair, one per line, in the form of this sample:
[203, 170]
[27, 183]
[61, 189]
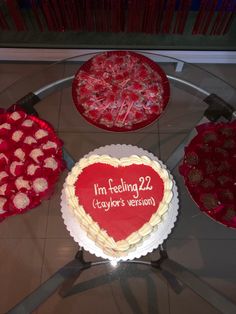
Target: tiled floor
[35, 245]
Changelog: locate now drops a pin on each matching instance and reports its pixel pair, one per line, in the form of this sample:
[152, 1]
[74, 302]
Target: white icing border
[155, 239]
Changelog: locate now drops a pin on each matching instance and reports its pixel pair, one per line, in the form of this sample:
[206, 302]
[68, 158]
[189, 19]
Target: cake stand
[155, 239]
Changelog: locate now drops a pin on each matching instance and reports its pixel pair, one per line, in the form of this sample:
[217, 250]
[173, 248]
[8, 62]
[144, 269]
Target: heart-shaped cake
[118, 202]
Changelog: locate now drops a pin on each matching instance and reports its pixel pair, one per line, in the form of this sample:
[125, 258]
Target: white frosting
[28, 123]
[6, 126]
[49, 145]
[40, 185]
[13, 166]
[21, 183]
[36, 153]
[3, 189]
[2, 203]
[40, 134]
[17, 135]
[21, 200]
[3, 174]
[51, 163]
[31, 169]
[29, 140]
[19, 153]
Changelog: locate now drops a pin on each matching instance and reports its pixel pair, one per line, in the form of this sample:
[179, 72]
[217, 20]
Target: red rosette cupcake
[22, 184]
[51, 147]
[228, 131]
[6, 189]
[191, 158]
[44, 186]
[17, 136]
[52, 164]
[33, 169]
[28, 125]
[224, 181]
[209, 137]
[20, 202]
[52, 167]
[16, 117]
[203, 150]
[208, 166]
[37, 155]
[16, 168]
[210, 202]
[29, 141]
[41, 135]
[5, 128]
[40, 185]
[20, 154]
[194, 177]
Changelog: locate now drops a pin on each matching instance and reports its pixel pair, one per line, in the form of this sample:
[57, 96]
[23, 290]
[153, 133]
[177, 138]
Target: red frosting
[100, 185]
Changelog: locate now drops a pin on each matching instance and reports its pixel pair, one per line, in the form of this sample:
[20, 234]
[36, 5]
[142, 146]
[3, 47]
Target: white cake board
[152, 242]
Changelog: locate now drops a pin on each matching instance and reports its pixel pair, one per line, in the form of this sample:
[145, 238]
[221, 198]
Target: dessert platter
[30, 162]
[119, 202]
[120, 91]
[209, 170]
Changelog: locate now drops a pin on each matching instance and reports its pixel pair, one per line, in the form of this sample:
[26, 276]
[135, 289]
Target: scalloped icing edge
[138, 253]
[100, 237]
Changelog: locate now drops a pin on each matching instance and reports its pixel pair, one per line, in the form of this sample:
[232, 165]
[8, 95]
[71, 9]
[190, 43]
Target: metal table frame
[173, 272]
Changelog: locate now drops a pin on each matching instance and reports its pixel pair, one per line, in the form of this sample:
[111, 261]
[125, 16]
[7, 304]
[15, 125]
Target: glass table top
[35, 245]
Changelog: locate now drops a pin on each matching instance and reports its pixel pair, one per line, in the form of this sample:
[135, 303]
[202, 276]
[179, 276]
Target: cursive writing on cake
[143, 185]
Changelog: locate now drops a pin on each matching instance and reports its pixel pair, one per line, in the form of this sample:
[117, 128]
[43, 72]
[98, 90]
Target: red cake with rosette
[209, 170]
[120, 90]
[30, 162]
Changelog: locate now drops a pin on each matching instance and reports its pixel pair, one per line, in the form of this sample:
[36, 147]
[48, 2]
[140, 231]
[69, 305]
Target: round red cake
[120, 90]
[209, 169]
[30, 162]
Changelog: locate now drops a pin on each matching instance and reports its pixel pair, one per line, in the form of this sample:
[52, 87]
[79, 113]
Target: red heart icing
[134, 193]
